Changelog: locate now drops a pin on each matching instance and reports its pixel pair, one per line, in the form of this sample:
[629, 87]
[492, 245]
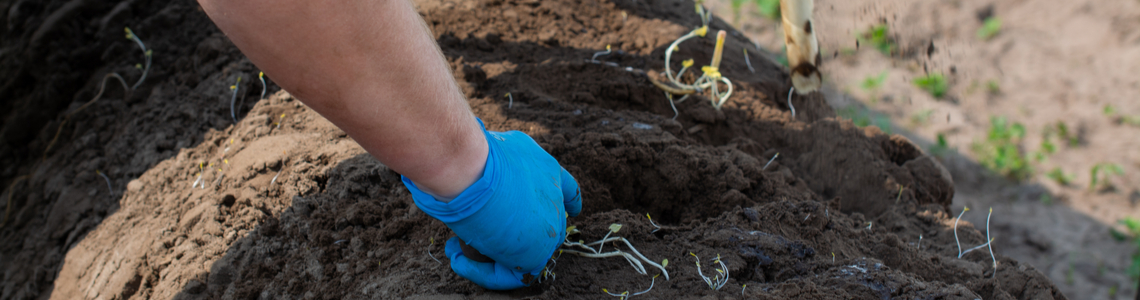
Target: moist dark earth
[283, 205]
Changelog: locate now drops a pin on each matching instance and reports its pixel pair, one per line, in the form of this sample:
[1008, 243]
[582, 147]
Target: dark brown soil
[293, 208]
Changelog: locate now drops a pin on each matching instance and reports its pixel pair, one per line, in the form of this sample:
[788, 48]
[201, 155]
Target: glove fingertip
[571, 194]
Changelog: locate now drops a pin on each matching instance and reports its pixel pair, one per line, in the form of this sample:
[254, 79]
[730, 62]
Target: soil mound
[281, 204]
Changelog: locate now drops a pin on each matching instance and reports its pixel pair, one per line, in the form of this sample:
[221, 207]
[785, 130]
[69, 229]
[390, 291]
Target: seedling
[711, 73]
[768, 8]
[990, 28]
[964, 210]
[878, 37]
[872, 84]
[199, 180]
[626, 294]
[264, 87]
[717, 281]
[148, 54]
[102, 88]
[601, 53]
[1001, 151]
[770, 161]
[1062, 129]
[431, 241]
[510, 100]
[742, 289]
[656, 228]
[935, 84]
[635, 259]
[748, 62]
[993, 87]
[110, 191]
[1060, 176]
[790, 106]
[233, 99]
[11, 191]
[1101, 172]
[1133, 227]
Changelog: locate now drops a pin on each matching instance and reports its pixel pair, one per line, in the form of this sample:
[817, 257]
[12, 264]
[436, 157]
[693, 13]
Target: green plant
[1062, 130]
[233, 99]
[1109, 110]
[990, 28]
[863, 118]
[1100, 173]
[1133, 227]
[711, 76]
[1060, 176]
[921, 117]
[872, 84]
[1001, 151]
[993, 87]
[935, 84]
[768, 8]
[941, 146]
[878, 36]
[737, 5]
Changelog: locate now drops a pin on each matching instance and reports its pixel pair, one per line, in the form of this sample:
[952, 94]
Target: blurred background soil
[1050, 63]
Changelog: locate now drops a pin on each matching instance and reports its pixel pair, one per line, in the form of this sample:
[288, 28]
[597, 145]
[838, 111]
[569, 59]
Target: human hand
[515, 214]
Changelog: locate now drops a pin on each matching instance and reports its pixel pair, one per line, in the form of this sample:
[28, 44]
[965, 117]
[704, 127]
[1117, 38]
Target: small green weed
[935, 84]
[1133, 226]
[768, 8]
[1101, 172]
[1060, 176]
[872, 84]
[990, 28]
[1062, 130]
[993, 87]
[878, 37]
[1001, 151]
[940, 147]
[863, 118]
[921, 117]
[1109, 111]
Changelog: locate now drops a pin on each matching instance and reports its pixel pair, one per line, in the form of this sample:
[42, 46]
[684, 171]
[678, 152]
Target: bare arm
[373, 69]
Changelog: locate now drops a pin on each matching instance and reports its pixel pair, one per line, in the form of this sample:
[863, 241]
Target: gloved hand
[515, 214]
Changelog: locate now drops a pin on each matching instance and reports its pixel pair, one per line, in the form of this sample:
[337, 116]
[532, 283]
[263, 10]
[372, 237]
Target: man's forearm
[373, 69]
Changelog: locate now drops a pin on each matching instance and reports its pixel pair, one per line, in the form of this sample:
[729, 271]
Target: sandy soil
[1054, 61]
[281, 204]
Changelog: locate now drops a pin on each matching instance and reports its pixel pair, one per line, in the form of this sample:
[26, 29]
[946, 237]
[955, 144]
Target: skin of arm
[372, 69]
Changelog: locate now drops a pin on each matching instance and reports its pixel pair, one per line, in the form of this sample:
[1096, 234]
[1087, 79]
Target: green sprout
[941, 146]
[1101, 172]
[1133, 227]
[1062, 129]
[878, 37]
[1060, 176]
[148, 54]
[1109, 111]
[1001, 151]
[990, 28]
[431, 241]
[872, 84]
[264, 87]
[768, 8]
[993, 87]
[935, 84]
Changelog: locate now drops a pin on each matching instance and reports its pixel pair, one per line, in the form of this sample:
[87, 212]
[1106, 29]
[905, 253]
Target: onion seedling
[964, 210]
[656, 228]
[635, 259]
[146, 53]
[108, 180]
[233, 98]
[770, 161]
[600, 53]
[431, 241]
[748, 62]
[709, 80]
[102, 88]
[717, 281]
[264, 87]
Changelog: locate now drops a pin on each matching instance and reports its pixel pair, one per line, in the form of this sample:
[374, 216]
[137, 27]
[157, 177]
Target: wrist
[459, 169]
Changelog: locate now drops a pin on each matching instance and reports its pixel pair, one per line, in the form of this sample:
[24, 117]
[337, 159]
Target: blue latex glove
[515, 214]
